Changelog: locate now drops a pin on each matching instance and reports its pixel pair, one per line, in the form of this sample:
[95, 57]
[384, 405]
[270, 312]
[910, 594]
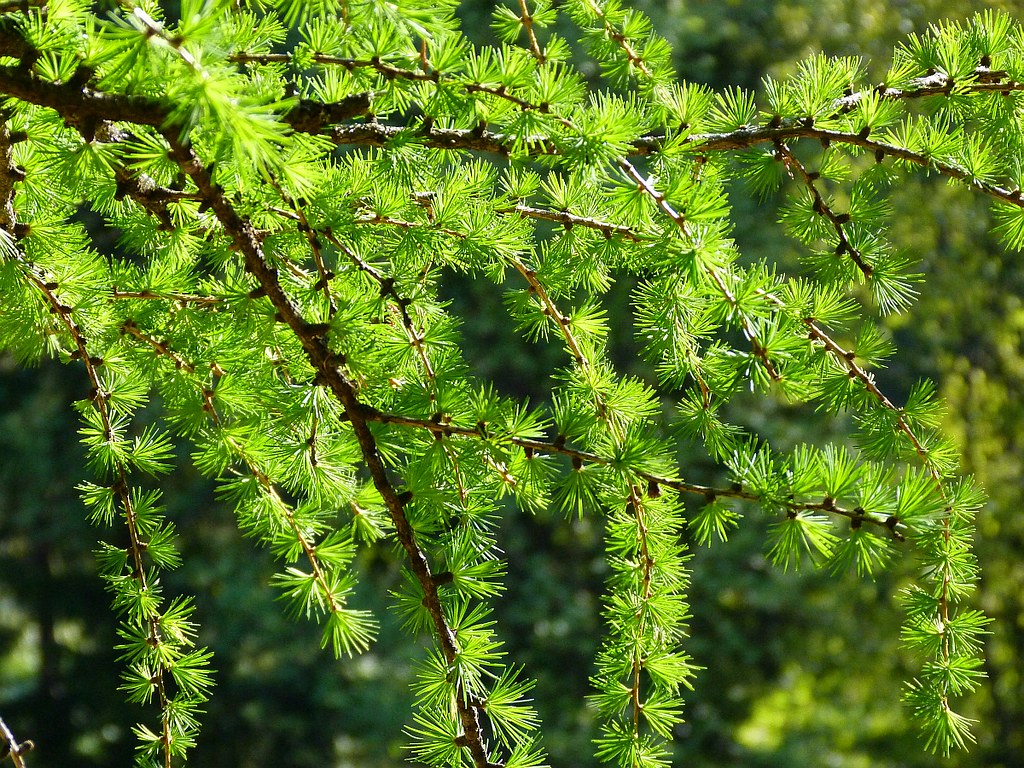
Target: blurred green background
[801, 669]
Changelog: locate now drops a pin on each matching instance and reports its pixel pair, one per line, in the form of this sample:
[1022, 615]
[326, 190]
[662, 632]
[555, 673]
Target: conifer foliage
[293, 182]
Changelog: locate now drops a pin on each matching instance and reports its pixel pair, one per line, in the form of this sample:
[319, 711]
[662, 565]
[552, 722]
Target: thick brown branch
[309, 116]
[81, 106]
[77, 104]
[9, 175]
[379, 134]
[20, 6]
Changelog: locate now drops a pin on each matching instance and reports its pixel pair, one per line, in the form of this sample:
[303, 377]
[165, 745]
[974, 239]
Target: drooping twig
[749, 332]
[49, 289]
[304, 540]
[315, 246]
[137, 542]
[387, 288]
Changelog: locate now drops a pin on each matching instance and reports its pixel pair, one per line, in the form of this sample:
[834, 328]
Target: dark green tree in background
[496, 352]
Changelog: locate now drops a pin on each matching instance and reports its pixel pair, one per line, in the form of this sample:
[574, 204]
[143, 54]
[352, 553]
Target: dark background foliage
[801, 669]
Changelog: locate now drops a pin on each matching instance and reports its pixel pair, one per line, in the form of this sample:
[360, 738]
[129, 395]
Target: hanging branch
[47, 287]
[138, 544]
[325, 362]
[737, 139]
[307, 545]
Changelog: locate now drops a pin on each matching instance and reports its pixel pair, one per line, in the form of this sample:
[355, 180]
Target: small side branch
[568, 220]
[387, 288]
[375, 63]
[531, 35]
[749, 137]
[177, 298]
[621, 40]
[848, 359]
[12, 748]
[822, 208]
[315, 246]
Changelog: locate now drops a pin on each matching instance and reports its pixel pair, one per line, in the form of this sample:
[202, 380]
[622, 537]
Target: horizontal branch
[77, 104]
[389, 71]
[179, 298]
[581, 457]
[569, 220]
[380, 134]
[377, 134]
[744, 138]
[984, 80]
[83, 107]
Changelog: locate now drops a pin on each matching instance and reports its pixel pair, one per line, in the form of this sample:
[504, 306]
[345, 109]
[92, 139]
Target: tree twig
[12, 748]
